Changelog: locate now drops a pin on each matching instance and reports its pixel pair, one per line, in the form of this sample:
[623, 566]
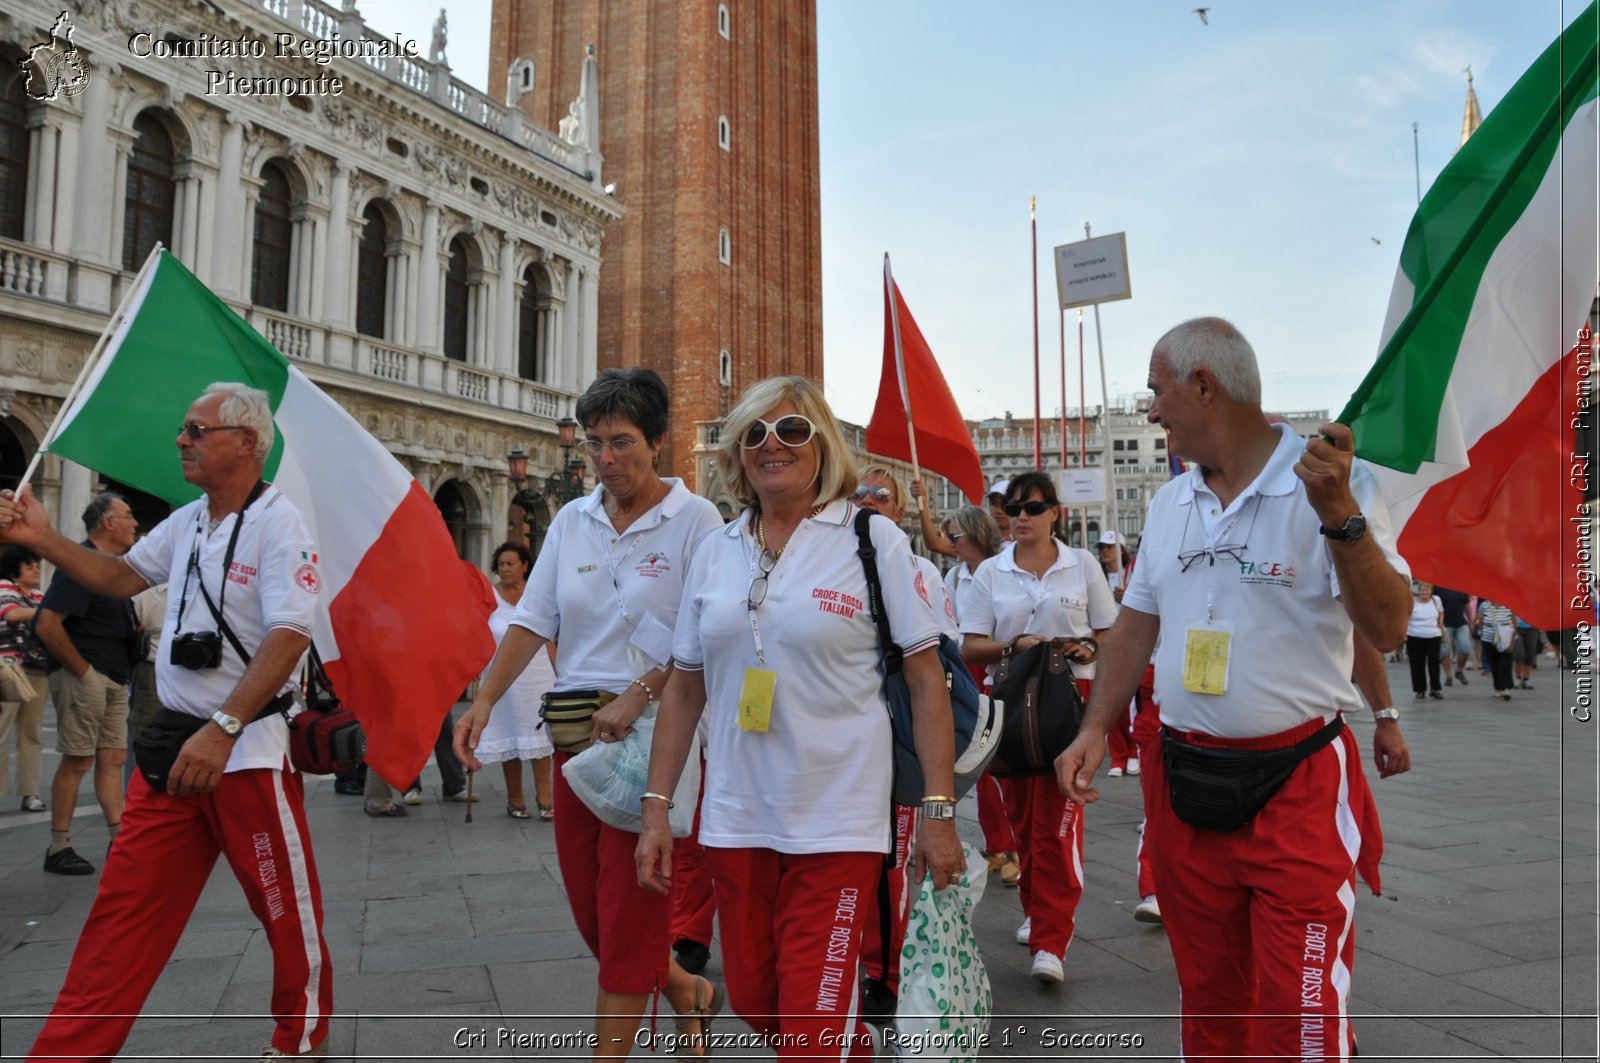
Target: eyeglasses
[195, 431]
[792, 430]
[619, 446]
[1032, 509]
[758, 586]
[955, 537]
[863, 492]
[1230, 551]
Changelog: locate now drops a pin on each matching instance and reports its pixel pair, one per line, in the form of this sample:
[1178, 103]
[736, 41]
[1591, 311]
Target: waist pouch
[569, 714]
[1223, 789]
[161, 738]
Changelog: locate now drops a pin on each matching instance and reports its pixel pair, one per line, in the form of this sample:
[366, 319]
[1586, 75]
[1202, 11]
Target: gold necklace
[761, 534]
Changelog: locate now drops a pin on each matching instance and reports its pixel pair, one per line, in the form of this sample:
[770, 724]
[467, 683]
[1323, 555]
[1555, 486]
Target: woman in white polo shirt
[608, 579]
[1039, 588]
[776, 644]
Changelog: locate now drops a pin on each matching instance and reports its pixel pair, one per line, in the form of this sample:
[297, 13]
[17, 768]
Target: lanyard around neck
[193, 568]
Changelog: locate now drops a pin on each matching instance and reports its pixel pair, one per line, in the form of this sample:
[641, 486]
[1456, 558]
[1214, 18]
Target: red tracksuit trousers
[148, 888]
[694, 906]
[1261, 919]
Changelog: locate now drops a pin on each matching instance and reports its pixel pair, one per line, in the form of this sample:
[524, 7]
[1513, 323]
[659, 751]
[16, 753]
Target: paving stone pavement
[453, 941]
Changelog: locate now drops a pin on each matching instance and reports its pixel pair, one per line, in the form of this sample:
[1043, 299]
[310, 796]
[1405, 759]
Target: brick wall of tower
[667, 75]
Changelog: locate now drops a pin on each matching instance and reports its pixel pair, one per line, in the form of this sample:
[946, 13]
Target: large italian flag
[1472, 408]
[403, 626]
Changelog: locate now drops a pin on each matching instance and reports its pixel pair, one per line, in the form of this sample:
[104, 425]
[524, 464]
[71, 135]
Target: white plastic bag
[610, 777]
[945, 1001]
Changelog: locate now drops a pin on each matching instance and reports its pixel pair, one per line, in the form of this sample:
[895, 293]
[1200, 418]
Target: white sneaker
[1046, 967]
[1023, 931]
[1148, 910]
[1133, 765]
[1114, 773]
[414, 796]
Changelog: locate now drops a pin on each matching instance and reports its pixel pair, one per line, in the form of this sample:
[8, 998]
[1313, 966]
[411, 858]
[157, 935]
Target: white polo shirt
[818, 779]
[930, 584]
[1291, 651]
[274, 582]
[594, 592]
[1071, 601]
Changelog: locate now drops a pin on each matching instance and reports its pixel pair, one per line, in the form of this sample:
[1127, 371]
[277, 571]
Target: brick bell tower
[708, 128]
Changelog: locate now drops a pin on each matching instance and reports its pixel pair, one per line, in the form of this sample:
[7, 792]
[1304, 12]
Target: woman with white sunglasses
[776, 645]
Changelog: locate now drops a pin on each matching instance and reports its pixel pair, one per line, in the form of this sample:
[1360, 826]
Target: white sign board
[1093, 271]
[1082, 487]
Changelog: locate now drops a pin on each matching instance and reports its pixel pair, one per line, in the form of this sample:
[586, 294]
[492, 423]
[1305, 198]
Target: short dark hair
[12, 560]
[633, 394]
[521, 552]
[94, 514]
[1026, 483]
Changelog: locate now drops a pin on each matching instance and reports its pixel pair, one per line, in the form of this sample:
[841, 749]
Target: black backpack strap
[869, 565]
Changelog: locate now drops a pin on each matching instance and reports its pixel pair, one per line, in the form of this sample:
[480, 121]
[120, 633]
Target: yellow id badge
[1205, 660]
[755, 700]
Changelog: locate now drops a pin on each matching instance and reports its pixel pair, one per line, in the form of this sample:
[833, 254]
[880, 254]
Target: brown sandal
[694, 1026]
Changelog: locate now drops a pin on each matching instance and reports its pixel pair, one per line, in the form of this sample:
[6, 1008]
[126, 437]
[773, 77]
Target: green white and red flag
[397, 661]
[1471, 412]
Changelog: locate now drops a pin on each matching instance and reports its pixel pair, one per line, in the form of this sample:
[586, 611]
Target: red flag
[912, 387]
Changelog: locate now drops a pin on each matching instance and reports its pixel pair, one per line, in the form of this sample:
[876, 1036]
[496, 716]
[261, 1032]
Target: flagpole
[90, 362]
[1061, 419]
[1033, 227]
[1083, 457]
[1105, 416]
[900, 367]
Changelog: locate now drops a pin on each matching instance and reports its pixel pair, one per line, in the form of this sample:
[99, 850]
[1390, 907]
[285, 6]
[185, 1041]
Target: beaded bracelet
[649, 694]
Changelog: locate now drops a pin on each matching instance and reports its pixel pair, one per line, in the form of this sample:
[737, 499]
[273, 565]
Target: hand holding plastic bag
[945, 1000]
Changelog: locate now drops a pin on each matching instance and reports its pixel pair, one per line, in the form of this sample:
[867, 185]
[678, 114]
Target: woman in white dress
[515, 732]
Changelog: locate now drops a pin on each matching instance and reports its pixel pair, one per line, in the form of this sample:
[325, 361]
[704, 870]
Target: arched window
[372, 273]
[455, 302]
[269, 271]
[533, 322]
[724, 247]
[13, 153]
[724, 133]
[151, 190]
[724, 22]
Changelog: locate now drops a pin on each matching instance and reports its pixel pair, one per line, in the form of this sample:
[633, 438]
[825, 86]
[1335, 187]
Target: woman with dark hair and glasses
[1038, 588]
[777, 647]
[606, 587]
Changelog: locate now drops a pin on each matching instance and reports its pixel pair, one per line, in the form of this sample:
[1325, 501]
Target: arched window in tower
[455, 302]
[724, 22]
[533, 326]
[150, 192]
[269, 269]
[725, 368]
[372, 273]
[724, 247]
[13, 152]
[724, 133]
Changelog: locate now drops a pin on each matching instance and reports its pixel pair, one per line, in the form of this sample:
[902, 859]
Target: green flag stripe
[1481, 194]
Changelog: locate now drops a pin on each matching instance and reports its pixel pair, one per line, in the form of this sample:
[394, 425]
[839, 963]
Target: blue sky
[1251, 163]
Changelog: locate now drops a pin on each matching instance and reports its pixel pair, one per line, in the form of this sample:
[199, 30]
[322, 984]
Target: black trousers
[1499, 662]
[1423, 653]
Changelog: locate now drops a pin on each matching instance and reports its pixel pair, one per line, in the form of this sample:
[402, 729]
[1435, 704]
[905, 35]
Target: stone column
[250, 188]
[92, 238]
[504, 356]
[588, 334]
[321, 269]
[430, 275]
[41, 204]
[337, 303]
[231, 227]
[123, 141]
[561, 368]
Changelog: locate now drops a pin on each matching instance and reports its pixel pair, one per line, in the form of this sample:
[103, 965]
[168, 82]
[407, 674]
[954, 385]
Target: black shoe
[67, 862]
[877, 1002]
[348, 789]
[691, 955]
[1461, 677]
[1526, 685]
[1420, 695]
[1438, 694]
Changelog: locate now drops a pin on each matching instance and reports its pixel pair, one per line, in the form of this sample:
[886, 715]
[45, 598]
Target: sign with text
[1082, 487]
[1093, 271]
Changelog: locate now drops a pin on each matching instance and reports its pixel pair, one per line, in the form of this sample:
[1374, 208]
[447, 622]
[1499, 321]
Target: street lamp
[565, 484]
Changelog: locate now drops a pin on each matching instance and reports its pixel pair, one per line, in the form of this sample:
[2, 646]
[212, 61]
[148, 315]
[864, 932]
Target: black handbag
[1043, 708]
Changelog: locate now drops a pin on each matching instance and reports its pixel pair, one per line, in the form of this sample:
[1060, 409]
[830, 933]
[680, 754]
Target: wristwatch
[1391, 713]
[1350, 531]
[939, 810]
[230, 726]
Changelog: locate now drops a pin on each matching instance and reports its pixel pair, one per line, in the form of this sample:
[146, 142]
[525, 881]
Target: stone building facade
[426, 255]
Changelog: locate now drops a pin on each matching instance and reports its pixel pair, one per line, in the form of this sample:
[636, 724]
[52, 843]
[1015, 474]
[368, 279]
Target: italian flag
[1472, 410]
[403, 627]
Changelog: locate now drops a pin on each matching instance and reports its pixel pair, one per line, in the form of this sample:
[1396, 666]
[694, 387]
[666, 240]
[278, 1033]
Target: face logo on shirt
[308, 579]
[837, 602]
[922, 589]
[654, 565]
[1268, 573]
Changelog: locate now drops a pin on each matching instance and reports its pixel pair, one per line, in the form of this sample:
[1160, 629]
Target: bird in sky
[1201, 11]
[1375, 240]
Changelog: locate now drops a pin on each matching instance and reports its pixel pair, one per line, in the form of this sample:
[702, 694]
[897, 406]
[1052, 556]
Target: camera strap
[227, 566]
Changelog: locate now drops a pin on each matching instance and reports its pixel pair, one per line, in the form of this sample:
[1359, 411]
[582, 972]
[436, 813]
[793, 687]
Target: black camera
[197, 649]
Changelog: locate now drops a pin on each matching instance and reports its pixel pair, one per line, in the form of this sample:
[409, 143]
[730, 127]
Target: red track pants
[151, 880]
[1147, 741]
[693, 903]
[901, 896]
[1261, 919]
[792, 928]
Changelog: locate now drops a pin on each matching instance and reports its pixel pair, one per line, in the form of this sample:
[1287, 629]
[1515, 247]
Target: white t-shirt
[1290, 651]
[1425, 619]
[930, 584]
[1071, 601]
[594, 592]
[273, 583]
[817, 781]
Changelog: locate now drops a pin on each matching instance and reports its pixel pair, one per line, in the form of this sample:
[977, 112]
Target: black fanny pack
[1223, 789]
[161, 738]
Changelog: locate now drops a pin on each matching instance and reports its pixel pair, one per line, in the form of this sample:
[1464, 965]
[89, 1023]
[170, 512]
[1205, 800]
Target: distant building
[709, 131]
[425, 254]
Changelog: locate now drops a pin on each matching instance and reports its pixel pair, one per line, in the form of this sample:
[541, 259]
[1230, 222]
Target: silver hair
[246, 407]
[1218, 346]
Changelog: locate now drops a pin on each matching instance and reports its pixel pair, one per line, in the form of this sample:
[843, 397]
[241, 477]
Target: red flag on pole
[911, 382]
